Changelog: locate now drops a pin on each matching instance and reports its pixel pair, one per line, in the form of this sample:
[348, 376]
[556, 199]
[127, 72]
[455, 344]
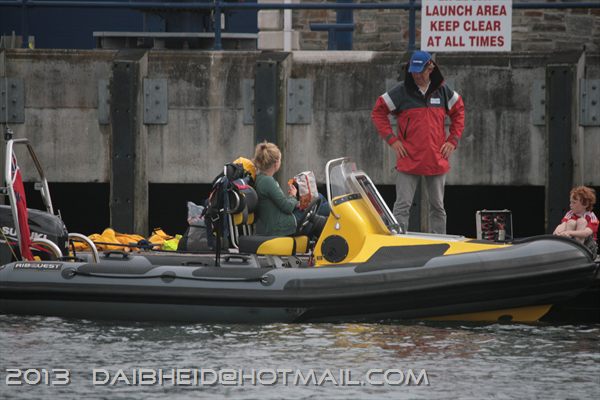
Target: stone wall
[533, 29]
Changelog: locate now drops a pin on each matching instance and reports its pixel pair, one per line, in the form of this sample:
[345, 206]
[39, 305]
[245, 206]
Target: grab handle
[109, 253]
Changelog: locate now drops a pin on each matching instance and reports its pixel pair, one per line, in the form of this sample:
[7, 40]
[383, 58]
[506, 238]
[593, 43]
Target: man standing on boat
[420, 104]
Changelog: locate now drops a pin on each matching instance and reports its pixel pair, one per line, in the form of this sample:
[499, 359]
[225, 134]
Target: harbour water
[419, 360]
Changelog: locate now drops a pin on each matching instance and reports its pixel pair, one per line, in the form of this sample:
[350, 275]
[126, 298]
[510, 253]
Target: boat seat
[240, 225]
[273, 245]
[238, 219]
[241, 215]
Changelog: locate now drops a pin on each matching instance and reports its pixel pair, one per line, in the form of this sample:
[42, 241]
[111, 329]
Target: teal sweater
[274, 210]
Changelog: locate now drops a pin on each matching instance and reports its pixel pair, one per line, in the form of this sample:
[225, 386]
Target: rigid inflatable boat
[362, 267]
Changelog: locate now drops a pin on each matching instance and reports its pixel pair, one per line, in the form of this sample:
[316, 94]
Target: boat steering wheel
[308, 216]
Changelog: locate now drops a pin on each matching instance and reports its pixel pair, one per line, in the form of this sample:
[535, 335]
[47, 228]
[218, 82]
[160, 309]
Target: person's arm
[590, 229]
[285, 203]
[456, 112]
[379, 115]
[560, 228]
[582, 234]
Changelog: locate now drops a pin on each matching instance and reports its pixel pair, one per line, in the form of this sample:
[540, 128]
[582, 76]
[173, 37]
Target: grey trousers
[406, 185]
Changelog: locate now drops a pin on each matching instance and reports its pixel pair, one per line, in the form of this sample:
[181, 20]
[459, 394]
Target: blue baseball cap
[418, 60]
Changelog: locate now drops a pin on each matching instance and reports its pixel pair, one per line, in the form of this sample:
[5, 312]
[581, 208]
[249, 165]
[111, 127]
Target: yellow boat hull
[521, 314]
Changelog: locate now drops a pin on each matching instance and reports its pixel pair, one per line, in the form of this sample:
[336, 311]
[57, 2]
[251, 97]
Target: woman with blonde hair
[274, 211]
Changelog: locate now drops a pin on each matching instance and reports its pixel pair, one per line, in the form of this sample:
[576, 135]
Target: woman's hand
[292, 191]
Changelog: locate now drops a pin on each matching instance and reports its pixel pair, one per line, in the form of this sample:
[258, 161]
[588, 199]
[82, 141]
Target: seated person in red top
[580, 222]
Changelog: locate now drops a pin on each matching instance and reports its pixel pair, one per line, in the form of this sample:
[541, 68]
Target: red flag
[21, 210]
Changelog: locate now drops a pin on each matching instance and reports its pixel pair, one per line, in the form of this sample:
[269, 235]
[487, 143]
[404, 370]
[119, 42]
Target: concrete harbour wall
[206, 127]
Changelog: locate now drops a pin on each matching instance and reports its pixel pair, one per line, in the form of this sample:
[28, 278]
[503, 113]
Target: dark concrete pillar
[128, 180]
[269, 98]
[560, 98]
[272, 71]
[266, 101]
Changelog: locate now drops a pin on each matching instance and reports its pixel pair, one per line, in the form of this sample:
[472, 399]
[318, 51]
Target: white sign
[466, 25]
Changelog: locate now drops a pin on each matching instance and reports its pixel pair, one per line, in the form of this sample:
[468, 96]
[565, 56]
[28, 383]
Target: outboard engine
[41, 224]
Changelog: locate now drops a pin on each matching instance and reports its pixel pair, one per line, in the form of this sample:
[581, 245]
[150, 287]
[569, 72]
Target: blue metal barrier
[218, 6]
[334, 30]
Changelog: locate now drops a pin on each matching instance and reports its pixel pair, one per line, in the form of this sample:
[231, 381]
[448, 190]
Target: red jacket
[421, 122]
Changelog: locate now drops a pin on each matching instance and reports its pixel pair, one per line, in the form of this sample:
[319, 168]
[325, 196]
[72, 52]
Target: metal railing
[219, 6]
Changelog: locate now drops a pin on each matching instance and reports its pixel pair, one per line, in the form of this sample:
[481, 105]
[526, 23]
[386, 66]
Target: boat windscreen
[369, 190]
[339, 178]
[344, 179]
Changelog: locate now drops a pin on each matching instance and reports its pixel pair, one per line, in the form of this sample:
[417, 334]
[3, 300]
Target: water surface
[501, 361]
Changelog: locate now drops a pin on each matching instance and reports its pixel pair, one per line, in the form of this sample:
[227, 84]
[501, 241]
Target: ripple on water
[462, 360]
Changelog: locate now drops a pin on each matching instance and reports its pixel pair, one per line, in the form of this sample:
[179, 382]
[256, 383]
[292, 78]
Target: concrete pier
[209, 113]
